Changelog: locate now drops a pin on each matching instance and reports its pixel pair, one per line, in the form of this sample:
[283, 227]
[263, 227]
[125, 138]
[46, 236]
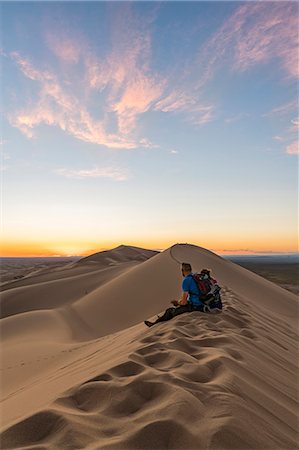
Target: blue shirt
[189, 285]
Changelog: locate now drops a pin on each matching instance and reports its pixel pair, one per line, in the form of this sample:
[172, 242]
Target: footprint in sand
[101, 377]
[32, 430]
[127, 369]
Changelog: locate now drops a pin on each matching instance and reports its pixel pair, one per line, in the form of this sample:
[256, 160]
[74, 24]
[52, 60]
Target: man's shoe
[148, 323]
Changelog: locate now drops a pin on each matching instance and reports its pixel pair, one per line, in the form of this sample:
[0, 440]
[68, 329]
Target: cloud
[195, 111]
[134, 88]
[202, 114]
[253, 34]
[136, 99]
[236, 117]
[57, 107]
[295, 125]
[122, 84]
[176, 100]
[293, 148]
[49, 83]
[272, 35]
[65, 48]
[284, 109]
[125, 73]
[97, 172]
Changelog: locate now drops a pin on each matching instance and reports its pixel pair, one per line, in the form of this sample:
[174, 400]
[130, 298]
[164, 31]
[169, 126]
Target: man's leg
[182, 309]
[169, 314]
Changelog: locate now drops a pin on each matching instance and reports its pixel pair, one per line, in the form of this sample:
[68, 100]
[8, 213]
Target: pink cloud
[293, 148]
[28, 70]
[129, 56]
[131, 88]
[137, 98]
[64, 47]
[273, 35]
[181, 102]
[56, 107]
[49, 84]
[254, 34]
[295, 125]
[98, 73]
[26, 121]
[176, 100]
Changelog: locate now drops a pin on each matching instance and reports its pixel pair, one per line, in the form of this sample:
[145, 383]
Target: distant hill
[120, 254]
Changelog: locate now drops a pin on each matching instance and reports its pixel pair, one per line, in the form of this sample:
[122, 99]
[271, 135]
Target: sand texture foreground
[81, 370]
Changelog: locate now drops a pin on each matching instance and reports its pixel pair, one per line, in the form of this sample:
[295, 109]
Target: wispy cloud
[137, 98]
[96, 172]
[293, 148]
[174, 101]
[291, 133]
[295, 125]
[273, 35]
[195, 111]
[254, 34]
[57, 107]
[284, 109]
[130, 87]
[236, 117]
[64, 47]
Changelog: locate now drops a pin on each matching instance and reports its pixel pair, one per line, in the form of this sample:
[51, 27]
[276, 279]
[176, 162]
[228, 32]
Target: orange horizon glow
[74, 248]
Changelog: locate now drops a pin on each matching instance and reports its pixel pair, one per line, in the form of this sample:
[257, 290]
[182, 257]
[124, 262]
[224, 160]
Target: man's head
[205, 273]
[186, 269]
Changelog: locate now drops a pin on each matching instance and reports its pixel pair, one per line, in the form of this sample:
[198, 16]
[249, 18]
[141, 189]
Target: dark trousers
[175, 311]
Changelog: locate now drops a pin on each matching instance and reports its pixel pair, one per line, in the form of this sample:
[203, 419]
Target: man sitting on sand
[190, 300]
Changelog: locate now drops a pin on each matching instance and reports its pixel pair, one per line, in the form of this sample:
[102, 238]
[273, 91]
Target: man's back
[189, 285]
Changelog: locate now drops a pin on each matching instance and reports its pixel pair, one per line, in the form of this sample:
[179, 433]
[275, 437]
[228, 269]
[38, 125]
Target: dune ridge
[91, 375]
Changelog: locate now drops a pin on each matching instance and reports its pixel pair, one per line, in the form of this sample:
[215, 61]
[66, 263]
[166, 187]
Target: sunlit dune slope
[55, 288]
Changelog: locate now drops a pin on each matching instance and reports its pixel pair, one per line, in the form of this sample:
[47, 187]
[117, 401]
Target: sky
[148, 124]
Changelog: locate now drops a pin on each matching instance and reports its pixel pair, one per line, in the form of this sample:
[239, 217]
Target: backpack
[209, 292]
[204, 285]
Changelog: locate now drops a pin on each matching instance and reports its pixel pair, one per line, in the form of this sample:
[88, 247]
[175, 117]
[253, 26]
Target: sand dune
[122, 253]
[86, 373]
[56, 287]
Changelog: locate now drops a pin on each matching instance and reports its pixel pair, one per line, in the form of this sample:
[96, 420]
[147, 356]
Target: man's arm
[183, 300]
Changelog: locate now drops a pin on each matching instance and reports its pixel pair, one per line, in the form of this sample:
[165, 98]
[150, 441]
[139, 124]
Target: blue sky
[149, 124]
